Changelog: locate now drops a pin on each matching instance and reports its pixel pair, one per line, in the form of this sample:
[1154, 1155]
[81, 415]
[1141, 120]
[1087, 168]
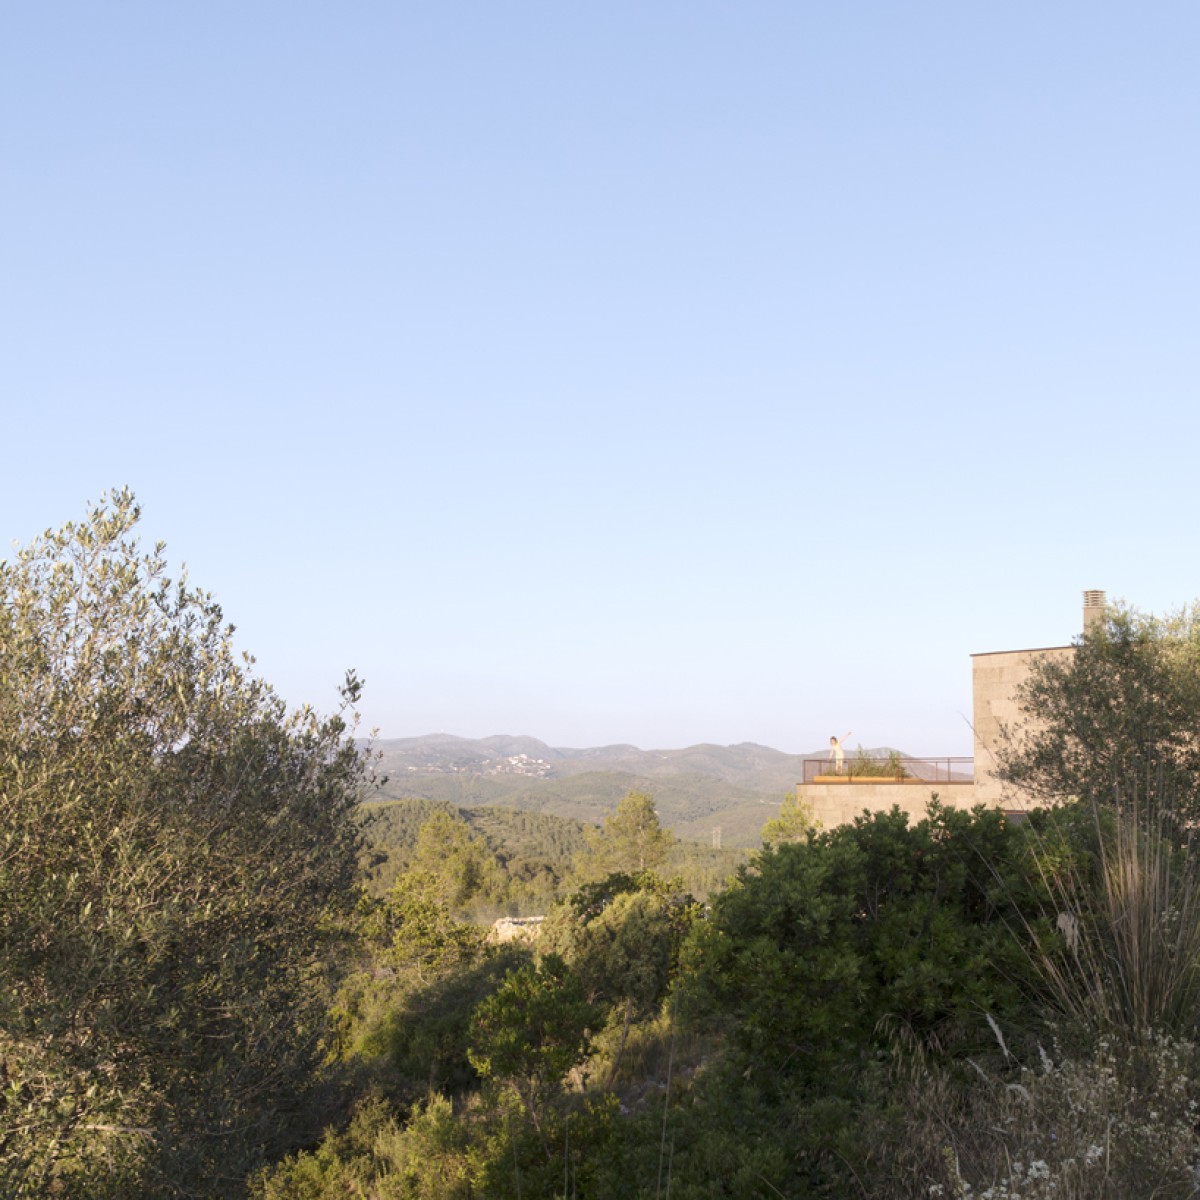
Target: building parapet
[833, 804]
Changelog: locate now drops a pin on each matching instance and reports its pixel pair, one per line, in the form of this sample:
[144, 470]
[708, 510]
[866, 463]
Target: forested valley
[222, 974]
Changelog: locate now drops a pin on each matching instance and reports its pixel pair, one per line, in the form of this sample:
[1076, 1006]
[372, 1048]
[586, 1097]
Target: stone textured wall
[839, 803]
[996, 678]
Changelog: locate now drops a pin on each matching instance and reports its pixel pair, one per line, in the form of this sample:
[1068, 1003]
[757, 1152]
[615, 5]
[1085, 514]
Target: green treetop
[793, 823]
[464, 867]
[1118, 720]
[632, 841]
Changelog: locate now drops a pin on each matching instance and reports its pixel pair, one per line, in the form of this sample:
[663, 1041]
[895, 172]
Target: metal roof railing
[889, 768]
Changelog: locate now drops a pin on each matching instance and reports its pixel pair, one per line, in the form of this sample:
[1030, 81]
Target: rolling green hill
[703, 793]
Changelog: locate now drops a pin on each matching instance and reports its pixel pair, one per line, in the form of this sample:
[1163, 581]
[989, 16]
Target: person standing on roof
[837, 753]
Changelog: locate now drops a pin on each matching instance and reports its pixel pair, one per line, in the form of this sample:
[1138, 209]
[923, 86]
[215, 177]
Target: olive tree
[175, 848]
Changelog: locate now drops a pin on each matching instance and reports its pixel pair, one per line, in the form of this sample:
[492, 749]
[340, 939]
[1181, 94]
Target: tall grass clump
[1120, 953]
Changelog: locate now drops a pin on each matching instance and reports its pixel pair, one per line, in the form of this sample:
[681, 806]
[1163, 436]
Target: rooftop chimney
[1093, 610]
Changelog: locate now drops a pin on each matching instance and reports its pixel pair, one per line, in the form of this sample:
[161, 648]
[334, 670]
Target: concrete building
[996, 676]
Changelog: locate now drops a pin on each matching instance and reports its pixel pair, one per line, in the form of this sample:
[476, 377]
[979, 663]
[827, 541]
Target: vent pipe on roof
[1093, 610]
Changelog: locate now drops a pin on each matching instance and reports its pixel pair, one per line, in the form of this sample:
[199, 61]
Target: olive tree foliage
[174, 848]
[1117, 721]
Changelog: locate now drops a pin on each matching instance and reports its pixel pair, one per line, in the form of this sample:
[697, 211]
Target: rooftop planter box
[866, 768]
[848, 778]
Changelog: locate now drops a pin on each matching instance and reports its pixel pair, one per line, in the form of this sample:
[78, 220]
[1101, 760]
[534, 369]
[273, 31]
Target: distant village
[514, 764]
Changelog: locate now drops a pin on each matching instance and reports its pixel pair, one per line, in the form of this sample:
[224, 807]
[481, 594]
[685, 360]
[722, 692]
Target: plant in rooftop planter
[863, 766]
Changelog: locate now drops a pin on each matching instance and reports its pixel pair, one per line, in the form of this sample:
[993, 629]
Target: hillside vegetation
[963, 1006]
[535, 851]
[697, 790]
[202, 999]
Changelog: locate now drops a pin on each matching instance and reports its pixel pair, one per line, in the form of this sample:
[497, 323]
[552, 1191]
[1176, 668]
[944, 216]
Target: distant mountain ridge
[702, 792]
[746, 764]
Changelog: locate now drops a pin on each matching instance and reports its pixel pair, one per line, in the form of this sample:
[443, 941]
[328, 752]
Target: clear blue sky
[642, 372]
